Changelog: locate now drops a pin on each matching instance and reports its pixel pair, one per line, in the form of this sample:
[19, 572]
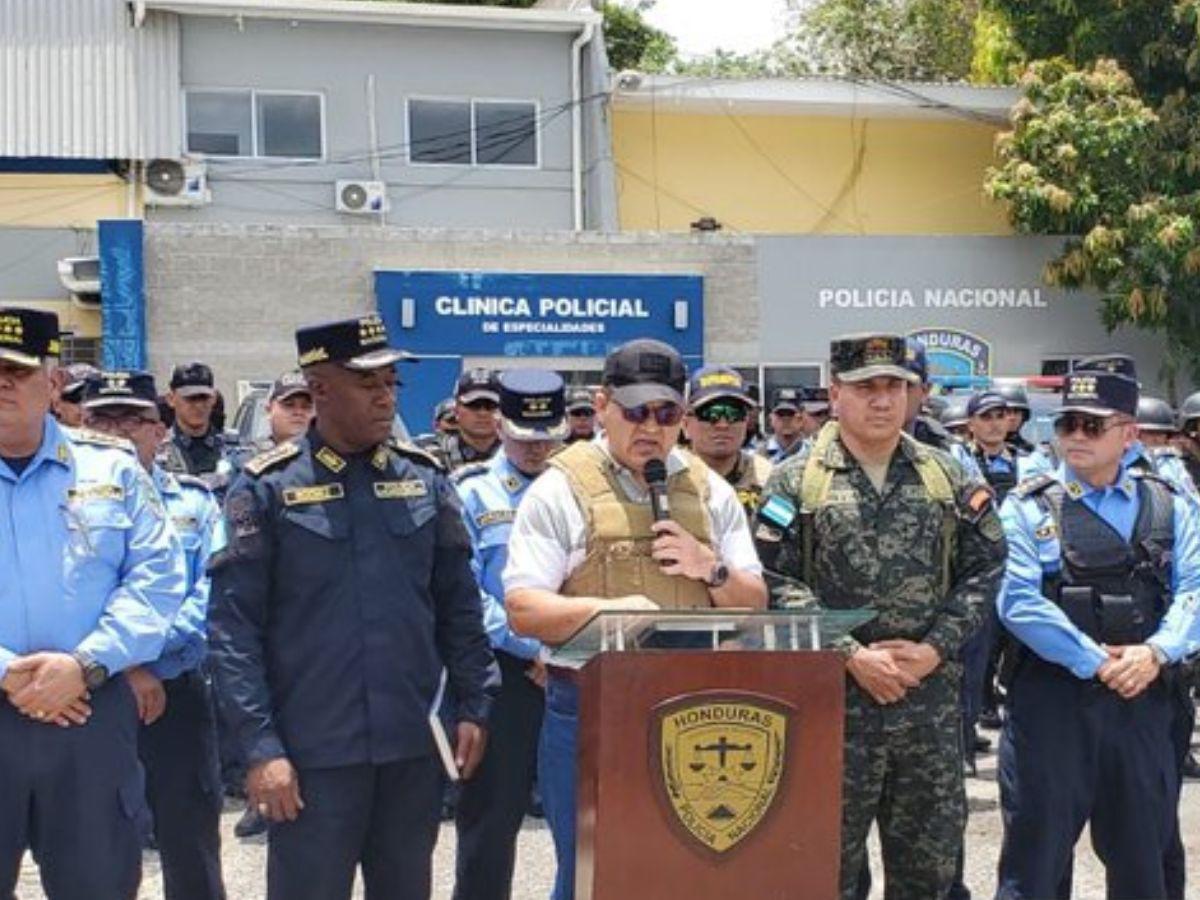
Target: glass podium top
[707, 630]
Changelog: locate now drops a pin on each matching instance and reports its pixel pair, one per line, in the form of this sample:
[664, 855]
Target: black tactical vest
[1113, 591]
[1000, 482]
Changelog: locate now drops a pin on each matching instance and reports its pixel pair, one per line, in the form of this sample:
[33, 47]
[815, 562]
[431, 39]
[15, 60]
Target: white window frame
[254, 92]
[471, 101]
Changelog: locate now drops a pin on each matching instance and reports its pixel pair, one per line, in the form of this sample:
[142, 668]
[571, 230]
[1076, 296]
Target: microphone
[655, 473]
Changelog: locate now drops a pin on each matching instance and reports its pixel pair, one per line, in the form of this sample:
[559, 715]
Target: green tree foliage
[632, 42]
[1105, 147]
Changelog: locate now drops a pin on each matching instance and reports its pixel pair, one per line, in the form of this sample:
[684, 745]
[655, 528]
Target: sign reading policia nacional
[718, 759]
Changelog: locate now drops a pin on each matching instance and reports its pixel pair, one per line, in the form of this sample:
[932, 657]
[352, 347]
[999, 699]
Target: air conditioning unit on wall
[175, 182]
[361, 198]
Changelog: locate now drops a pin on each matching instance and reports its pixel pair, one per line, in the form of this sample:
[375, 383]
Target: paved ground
[244, 860]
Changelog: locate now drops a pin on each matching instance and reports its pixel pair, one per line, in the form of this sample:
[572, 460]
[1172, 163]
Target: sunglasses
[1091, 426]
[722, 412]
[783, 413]
[665, 414]
[481, 405]
[582, 413]
[121, 419]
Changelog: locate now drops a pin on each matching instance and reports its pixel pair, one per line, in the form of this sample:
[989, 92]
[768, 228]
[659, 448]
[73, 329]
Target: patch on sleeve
[496, 517]
[991, 528]
[243, 519]
[778, 512]
[1046, 533]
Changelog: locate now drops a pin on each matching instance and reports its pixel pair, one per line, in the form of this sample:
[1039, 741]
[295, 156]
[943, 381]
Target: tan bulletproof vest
[618, 561]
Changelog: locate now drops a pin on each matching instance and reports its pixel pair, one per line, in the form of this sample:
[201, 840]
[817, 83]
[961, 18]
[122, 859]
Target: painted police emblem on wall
[718, 759]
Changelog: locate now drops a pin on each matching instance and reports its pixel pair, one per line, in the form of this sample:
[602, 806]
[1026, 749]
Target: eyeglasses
[1091, 426]
[123, 418]
[482, 405]
[722, 412]
[665, 414]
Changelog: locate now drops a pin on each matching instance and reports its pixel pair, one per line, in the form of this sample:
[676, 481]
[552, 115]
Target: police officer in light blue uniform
[925, 428]
[490, 809]
[93, 577]
[1102, 591]
[177, 741]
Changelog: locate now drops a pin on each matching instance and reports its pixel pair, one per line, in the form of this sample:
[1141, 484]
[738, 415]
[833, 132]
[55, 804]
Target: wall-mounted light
[408, 312]
[681, 315]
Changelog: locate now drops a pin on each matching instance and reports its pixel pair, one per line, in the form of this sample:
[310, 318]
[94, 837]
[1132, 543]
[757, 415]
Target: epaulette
[193, 481]
[1147, 475]
[468, 471]
[416, 454]
[271, 458]
[99, 439]
[1033, 485]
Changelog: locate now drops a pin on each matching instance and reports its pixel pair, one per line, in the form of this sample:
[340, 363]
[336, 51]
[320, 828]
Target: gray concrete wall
[233, 295]
[335, 59]
[29, 260]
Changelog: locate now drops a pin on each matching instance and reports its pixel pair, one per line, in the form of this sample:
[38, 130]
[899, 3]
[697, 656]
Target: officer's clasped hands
[1129, 670]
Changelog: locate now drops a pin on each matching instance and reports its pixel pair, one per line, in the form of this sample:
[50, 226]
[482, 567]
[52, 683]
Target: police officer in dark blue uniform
[93, 576]
[491, 806]
[1102, 591]
[344, 590]
[178, 739]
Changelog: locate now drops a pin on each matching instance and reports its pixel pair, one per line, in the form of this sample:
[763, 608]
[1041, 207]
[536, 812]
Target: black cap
[580, 398]
[1114, 363]
[1100, 394]
[192, 379]
[984, 401]
[717, 383]
[77, 376]
[1154, 414]
[360, 343]
[787, 398]
[477, 384]
[289, 384]
[120, 388]
[533, 405]
[859, 357]
[816, 399]
[28, 336]
[916, 358]
[644, 371]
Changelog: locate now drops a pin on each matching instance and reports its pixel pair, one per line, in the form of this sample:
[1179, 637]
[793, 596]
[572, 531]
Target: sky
[701, 26]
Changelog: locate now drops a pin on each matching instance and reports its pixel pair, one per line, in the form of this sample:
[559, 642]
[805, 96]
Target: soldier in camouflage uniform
[866, 516]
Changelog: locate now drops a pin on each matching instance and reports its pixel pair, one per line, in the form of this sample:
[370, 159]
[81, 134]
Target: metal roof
[432, 15]
[79, 81]
[813, 96]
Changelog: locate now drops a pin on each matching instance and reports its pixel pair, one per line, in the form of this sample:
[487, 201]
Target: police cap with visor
[360, 344]
[861, 357]
[28, 336]
[120, 388]
[712, 383]
[1100, 393]
[645, 371]
[533, 405]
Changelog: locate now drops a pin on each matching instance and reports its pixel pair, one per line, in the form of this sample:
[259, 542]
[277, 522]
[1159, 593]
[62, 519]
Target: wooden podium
[711, 772]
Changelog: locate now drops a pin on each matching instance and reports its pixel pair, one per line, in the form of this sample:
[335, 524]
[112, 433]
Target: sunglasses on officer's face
[664, 414]
[722, 412]
[483, 405]
[1091, 426]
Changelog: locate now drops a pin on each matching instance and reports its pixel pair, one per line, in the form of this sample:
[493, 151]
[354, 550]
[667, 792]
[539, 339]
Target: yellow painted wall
[804, 175]
[36, 200]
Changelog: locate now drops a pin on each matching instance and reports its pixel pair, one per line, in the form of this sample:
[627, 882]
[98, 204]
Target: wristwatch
[718, 576]
[94, 674]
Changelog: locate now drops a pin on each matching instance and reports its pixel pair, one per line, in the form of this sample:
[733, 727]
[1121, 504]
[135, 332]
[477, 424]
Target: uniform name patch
[97, 492]
[400, 490]
[495, 517]
[185, 523]
[317, 493]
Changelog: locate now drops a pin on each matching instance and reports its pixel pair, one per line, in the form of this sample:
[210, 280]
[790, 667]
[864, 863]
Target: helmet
[1190, 409]
[1155, 415]
[1014, 397]
[954, 413]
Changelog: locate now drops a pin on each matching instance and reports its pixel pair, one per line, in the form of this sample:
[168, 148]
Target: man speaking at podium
[869, 518]
[586, 539]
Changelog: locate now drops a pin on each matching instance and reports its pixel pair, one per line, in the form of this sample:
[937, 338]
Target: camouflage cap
[859, 357]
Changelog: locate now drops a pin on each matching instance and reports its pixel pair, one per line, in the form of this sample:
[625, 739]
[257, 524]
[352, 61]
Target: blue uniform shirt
[1034, 549]
[1166, 465]
[197, 520]
[90, 562]
[490, 494]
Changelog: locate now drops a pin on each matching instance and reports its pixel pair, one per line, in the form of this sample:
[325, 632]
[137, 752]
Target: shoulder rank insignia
[1046, 533]
[496, 517]
[1145, 475]
[400, 490]
[1074, 489]
[272, 458]
[1034, 485]
[99, 439]
[192, 481]
[86, 492]
[416, 454]
[316, 493]
[458, 476]
[330, 459]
